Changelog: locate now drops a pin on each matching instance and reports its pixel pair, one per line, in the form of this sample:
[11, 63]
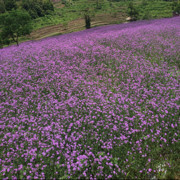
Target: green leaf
[64, 177]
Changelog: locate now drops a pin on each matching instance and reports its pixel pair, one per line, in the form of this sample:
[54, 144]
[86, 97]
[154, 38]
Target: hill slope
[100, 103]
[69, 17]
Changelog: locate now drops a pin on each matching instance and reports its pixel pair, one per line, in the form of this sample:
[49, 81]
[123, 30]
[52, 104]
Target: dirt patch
[57, 29]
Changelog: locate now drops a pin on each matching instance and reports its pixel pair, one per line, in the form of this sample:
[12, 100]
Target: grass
[100, 103]
[159, 9]
[114, 13]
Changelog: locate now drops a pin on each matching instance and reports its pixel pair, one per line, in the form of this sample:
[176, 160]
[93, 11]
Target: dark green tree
[10, 4]
[87, 21]
[176, 8]
[1, 42]
[14, 24]
[2, 7]
[133, 12]
[88, 11]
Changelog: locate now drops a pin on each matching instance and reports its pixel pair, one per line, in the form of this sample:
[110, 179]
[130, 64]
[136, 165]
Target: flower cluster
[100, 103]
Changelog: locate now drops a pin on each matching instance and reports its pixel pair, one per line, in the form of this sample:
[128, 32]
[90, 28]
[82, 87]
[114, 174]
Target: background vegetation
[14, 24]
[46, 13]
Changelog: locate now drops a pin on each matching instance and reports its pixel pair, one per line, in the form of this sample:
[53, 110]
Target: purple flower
[91, 103]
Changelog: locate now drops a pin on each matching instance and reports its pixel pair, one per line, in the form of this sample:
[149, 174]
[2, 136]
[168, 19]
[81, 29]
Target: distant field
[100, 103]
[63, 19]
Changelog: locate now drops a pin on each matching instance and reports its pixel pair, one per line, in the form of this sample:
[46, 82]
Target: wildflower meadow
[101, 103]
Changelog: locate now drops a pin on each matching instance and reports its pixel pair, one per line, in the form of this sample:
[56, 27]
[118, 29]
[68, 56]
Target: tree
[88, 12]
[87, 21]
[2, 7]
[132, 12]
[176, 8]
[16, 23]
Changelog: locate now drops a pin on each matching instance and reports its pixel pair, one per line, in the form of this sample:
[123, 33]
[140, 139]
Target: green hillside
[66, 16]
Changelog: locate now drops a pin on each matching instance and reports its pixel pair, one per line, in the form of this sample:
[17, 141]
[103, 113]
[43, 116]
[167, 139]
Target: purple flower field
[100, 103]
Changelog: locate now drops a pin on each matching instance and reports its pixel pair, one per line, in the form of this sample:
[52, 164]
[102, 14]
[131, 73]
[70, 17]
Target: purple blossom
[94, 103]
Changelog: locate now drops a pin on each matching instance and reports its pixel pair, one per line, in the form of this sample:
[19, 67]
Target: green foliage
[152, 10]
[176, 8]
[67, 3]
[38, 8]
[99, 4]
[2, 7]
[144, 3]
[48, 6]
[44, 13]
[89, 12]
[87, 21]
[65, 25]
[33, 7]
[115, 0]
[1, 42]
[10, 4]
[147, 16]
[133, 12]
[14, 24]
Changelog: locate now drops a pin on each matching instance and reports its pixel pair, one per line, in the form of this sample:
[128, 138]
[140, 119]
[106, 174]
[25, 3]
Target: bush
[37, 8]
[10, 4]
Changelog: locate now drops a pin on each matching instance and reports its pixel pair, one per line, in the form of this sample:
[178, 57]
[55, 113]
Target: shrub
[37, 8]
